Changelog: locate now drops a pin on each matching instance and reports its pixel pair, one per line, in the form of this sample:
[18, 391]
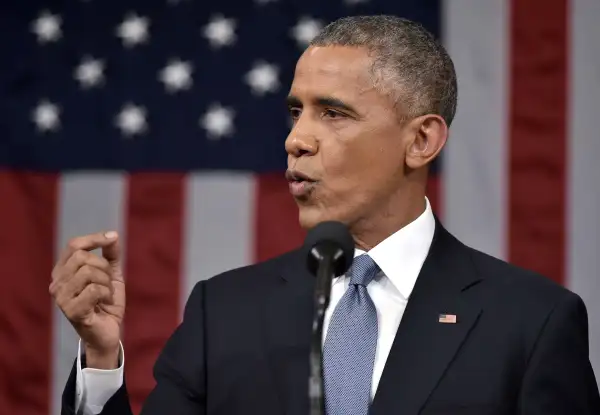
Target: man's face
[346, 138]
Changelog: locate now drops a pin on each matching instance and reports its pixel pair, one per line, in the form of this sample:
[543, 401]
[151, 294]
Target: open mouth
[299, 183]
[296, 177]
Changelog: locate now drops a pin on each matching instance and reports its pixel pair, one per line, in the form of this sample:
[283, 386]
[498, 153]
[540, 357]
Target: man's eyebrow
[293, 101]
[326, 101]
[334, 102]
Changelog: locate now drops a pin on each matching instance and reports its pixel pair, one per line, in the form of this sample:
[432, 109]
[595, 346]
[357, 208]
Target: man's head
[372, 99]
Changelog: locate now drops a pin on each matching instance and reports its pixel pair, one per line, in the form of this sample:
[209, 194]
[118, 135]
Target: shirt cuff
[94, 387]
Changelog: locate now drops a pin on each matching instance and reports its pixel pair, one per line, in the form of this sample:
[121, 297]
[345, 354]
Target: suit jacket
[519, 346]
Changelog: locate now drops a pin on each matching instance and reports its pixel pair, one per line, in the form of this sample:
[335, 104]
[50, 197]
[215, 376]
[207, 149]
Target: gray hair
[409, 64]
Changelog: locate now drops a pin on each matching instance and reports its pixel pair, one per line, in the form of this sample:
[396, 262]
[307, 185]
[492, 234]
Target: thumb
[112, 251]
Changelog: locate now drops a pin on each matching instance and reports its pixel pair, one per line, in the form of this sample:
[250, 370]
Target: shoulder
[510, 282]
[522, 288]
[522, 304]
[251, 277]
[237, 294]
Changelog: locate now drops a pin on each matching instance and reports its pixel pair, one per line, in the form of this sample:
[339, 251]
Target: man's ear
[429, 135]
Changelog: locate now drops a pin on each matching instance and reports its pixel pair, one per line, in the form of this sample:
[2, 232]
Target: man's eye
[295, 113]
[332, 114]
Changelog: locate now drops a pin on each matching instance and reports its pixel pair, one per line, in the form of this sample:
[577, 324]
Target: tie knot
[363, 270]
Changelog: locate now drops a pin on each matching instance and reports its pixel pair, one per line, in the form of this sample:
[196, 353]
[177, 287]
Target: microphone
[330, 252]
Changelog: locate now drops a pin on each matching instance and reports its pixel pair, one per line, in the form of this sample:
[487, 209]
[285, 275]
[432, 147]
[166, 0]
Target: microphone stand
[325, 274]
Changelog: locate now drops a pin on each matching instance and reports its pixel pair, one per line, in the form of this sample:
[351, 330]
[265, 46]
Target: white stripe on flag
[87, 203]
[474, 178]
[583, 261]
[218, 226]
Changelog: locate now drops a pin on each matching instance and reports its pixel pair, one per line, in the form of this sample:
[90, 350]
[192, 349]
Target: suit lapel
[424, 347]
[288, 319]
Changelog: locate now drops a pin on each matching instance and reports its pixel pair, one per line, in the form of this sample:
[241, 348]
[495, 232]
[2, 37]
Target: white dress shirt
[400, 258]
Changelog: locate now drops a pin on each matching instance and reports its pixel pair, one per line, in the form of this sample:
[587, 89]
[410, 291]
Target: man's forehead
[334, 61]
[336, 67]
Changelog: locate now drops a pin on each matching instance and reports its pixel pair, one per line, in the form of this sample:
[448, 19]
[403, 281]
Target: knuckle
[74, 243]
[104, 291]
[58, 273]
[86, 272]
[61, 304]
[69, 311]
[79, 282]
[103, 280]
[104, 264]
[98, 276]
[56, 290]
[99, 292]
[52, 289]
[95, 290]
[80, 256]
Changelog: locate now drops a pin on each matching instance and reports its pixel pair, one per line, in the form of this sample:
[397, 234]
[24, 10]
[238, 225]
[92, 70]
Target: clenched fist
[90, 291]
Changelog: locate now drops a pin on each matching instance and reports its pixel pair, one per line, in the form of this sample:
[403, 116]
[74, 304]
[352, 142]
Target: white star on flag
[177, 75]
[305, 30]
[133, 30]
[263, 78]
[132, 120]
[47, 27]
[46, 116]
[220, 31]
[218, 121]
[90, 72]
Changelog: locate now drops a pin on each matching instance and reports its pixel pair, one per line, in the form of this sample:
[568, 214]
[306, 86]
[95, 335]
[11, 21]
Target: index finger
[87, 243]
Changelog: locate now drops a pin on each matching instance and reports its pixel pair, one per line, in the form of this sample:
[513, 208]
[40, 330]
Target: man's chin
[311, 216]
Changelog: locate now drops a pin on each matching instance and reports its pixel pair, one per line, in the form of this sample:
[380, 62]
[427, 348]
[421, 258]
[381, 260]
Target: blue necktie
[350, 345]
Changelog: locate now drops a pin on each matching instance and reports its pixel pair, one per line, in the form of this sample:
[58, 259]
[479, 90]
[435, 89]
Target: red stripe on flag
[434, 194]
[538, 136]
[277, 228]
[27, 223]
[152, 272]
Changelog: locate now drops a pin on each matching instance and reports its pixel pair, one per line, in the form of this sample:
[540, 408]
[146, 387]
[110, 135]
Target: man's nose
[298, 144]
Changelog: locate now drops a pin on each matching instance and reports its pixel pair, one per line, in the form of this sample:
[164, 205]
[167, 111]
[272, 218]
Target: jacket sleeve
[559, 379]
[118, 404]
[180, 368]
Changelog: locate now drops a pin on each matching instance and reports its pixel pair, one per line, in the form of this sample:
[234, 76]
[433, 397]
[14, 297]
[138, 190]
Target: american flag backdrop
[165, 120]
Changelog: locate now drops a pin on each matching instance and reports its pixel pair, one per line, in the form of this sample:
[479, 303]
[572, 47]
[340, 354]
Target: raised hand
[90, 291]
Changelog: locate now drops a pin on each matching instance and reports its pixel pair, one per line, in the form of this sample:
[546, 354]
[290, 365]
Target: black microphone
[330, 252]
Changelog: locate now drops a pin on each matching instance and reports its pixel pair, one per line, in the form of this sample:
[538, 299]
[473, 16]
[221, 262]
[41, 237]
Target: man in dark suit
[421, 324]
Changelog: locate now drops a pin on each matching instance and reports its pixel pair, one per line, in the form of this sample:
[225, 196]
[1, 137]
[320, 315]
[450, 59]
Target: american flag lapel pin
[447, 318]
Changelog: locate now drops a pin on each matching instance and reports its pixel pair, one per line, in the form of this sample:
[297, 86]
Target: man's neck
[369, 232]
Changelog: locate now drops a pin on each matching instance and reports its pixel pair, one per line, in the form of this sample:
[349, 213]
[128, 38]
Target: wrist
[102, 359]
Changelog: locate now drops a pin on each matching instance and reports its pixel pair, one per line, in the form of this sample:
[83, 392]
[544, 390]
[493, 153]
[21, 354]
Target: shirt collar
[401, 255]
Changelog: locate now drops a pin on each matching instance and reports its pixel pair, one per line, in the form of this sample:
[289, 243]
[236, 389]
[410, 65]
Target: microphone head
[329, 239]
